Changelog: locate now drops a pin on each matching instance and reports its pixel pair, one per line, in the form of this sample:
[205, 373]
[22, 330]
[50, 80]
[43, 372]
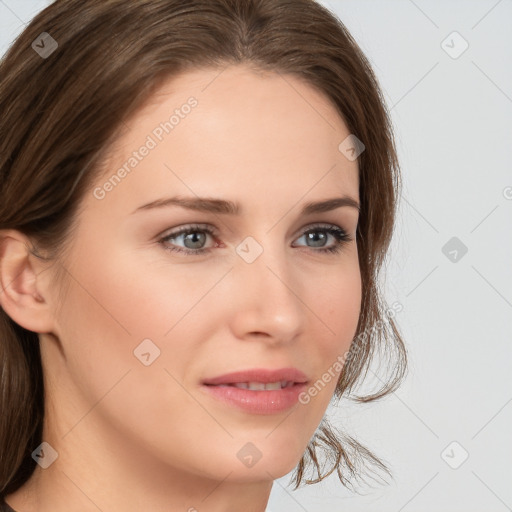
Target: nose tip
[266, 305]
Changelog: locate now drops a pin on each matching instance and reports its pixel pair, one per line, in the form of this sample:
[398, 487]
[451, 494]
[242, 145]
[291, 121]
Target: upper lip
[259, 375]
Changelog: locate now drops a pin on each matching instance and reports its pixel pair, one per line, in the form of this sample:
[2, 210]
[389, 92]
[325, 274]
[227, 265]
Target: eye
[190, 237]
[340, 236]
[194, 237]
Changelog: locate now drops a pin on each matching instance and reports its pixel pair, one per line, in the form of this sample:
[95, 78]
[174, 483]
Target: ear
[23, 294]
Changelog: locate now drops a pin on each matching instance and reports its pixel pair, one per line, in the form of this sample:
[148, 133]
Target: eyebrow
[223, 206]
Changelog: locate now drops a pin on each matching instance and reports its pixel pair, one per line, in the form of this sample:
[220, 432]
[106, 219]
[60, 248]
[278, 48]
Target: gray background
[452, 116]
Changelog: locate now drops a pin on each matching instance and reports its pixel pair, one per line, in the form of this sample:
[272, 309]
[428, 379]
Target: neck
[105, 472]
[82, 485]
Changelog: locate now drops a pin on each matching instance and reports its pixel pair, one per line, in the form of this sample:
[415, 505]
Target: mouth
[258, 386]
[258, 391]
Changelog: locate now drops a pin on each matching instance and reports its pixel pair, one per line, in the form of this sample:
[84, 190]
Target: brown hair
[61, 114]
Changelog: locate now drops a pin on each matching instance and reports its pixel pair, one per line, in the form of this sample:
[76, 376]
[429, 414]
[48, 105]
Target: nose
[267, 297]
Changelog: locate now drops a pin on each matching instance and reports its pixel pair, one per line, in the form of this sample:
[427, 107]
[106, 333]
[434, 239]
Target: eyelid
[208, 227]
[189, 227]
[341, 235]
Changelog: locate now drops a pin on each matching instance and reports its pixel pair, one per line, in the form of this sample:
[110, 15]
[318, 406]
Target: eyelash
[339, 234]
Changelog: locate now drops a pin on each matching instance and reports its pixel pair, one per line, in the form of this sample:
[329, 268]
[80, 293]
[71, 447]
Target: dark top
[4, 507]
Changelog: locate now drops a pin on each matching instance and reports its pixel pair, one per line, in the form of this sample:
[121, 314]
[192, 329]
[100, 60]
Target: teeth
[260, 386]
[273, 385]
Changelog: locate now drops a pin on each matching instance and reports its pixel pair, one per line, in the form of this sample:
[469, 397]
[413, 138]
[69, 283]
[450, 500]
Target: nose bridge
[268, 288]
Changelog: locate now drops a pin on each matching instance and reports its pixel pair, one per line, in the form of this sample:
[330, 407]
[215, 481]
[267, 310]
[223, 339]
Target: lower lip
[258, 402]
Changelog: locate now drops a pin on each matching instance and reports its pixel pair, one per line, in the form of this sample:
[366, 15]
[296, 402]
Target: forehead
[233, 132]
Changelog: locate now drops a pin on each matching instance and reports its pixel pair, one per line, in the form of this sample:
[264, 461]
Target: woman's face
[142, 326]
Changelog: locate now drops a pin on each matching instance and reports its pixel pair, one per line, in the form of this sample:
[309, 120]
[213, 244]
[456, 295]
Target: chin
[247, 465]
[261, 471]
[273, 463]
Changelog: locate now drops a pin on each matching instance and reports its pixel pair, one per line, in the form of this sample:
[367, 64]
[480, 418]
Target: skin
[133, 437]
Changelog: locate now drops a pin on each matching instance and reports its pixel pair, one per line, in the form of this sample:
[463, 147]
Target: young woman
[197, 198]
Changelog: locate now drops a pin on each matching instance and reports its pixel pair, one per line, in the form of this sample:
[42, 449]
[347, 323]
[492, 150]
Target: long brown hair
[61, 111]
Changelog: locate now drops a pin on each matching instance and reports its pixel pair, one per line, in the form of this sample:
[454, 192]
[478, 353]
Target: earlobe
[22, 293]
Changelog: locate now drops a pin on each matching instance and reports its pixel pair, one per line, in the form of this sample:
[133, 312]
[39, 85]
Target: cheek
[107, 314]
[109, 310]
[129, 298]
[337, 312]
[338, 305]
[115, 303]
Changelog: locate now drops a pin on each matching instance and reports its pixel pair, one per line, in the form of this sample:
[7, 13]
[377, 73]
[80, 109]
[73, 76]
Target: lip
[257, 401]
[259, 375]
